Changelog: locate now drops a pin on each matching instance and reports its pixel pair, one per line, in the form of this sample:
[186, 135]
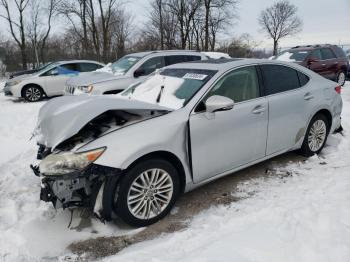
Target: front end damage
[79, 189]
[70, 177]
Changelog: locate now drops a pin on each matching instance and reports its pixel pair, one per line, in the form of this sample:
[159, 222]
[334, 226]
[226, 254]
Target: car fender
[127, 145]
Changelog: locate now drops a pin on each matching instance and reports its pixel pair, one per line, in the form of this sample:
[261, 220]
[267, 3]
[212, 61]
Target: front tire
[32, 93]
[316, 136]
[147, 192]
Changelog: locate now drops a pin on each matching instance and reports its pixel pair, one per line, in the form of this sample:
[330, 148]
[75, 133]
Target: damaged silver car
[131, 155]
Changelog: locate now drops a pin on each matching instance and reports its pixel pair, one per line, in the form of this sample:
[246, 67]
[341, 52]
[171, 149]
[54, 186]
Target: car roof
[310, 47]
[77, 61]
[227, 64]
[167, 52]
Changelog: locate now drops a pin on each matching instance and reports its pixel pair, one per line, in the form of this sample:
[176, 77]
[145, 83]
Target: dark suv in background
[329, 61]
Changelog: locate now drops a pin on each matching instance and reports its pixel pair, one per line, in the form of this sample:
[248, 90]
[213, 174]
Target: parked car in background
[329, 61]
[217, 55]
[30, 71]
[128, 70]
[48, 82]
[131, 155]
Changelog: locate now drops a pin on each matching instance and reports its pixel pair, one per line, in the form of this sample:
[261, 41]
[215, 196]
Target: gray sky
[325, 21]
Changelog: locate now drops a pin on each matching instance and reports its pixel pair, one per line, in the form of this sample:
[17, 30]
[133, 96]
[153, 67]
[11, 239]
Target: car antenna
[160, 94]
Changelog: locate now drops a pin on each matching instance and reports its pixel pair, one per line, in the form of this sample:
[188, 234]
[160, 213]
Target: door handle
[308, 96]
[324, 64]
[258, 110]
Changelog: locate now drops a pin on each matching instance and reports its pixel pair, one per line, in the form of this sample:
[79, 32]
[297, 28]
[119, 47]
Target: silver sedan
[131, 155]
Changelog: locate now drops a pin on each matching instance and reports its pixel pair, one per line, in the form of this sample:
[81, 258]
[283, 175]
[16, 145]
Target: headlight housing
[86, 89]
[67, 162]
[13, 83]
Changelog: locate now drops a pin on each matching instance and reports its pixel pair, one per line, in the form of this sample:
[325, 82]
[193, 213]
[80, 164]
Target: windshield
[171, 88]
[48, 67]
[293, 55]
[124, 64]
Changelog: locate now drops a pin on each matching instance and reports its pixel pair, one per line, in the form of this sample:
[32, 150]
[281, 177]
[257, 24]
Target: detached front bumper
[78, 189]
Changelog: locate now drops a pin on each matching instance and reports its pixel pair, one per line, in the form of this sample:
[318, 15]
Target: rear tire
[341, 78]
[147, 192]
[32, 93]
[315, 136]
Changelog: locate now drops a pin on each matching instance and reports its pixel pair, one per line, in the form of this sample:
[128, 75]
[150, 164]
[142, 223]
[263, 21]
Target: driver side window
[239, 85]
[151, 65]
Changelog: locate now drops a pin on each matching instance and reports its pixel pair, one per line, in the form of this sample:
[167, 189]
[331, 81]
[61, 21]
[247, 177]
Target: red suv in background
[329, 61]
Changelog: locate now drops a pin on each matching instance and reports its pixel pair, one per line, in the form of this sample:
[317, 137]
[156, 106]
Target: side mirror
[139, 72]
[218, 103]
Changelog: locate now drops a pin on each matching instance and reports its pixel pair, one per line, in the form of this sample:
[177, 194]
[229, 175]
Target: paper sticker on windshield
[194, 76]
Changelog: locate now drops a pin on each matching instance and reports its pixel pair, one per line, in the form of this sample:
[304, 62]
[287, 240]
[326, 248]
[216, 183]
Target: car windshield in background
[171, 88]
[124, 64]
[48, 67]
[293, 56]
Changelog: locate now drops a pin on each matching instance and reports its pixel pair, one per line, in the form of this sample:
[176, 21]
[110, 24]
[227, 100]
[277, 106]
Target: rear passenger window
[279, 79]
[190, 58]
[303, 79]
[152, 64]
[327, 53]
[175, 59]
[88, 67]
[339, 52]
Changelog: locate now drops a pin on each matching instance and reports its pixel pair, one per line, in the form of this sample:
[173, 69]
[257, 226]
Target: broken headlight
[67, 162]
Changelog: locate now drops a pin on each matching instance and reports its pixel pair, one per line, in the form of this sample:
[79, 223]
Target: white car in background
[48, 82]
[128, 70]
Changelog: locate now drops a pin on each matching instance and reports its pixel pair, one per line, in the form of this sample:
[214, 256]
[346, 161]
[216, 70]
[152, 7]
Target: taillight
[338, 89]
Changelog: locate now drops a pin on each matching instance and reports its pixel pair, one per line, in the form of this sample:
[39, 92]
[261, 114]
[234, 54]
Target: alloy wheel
[317, 135]
[150, 193]
[33, 94]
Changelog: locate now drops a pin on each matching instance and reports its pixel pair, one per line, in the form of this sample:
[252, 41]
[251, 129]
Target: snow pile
[216, 55]
[2, 84]
[300, 214]
[107, 69]
[159, 87]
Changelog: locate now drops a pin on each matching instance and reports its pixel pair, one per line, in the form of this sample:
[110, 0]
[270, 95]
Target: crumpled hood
[63, 117]
[91, 78]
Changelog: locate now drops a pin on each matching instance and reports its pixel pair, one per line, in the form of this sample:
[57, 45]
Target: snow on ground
[30, 229]
[304, 216]
[2, 83]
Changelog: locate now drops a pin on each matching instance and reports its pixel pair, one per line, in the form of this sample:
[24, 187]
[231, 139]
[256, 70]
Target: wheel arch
[168, 156]
[32, 84]
[344, 68]
[327, 114]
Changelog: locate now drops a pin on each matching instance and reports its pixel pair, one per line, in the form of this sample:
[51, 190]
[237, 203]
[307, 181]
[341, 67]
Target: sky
[324, 21]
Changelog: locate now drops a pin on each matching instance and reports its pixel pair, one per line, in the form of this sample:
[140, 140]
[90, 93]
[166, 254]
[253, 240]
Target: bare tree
[184, 12]
[17, 26]
[217, 14]
[280, 20]
[40, 25]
